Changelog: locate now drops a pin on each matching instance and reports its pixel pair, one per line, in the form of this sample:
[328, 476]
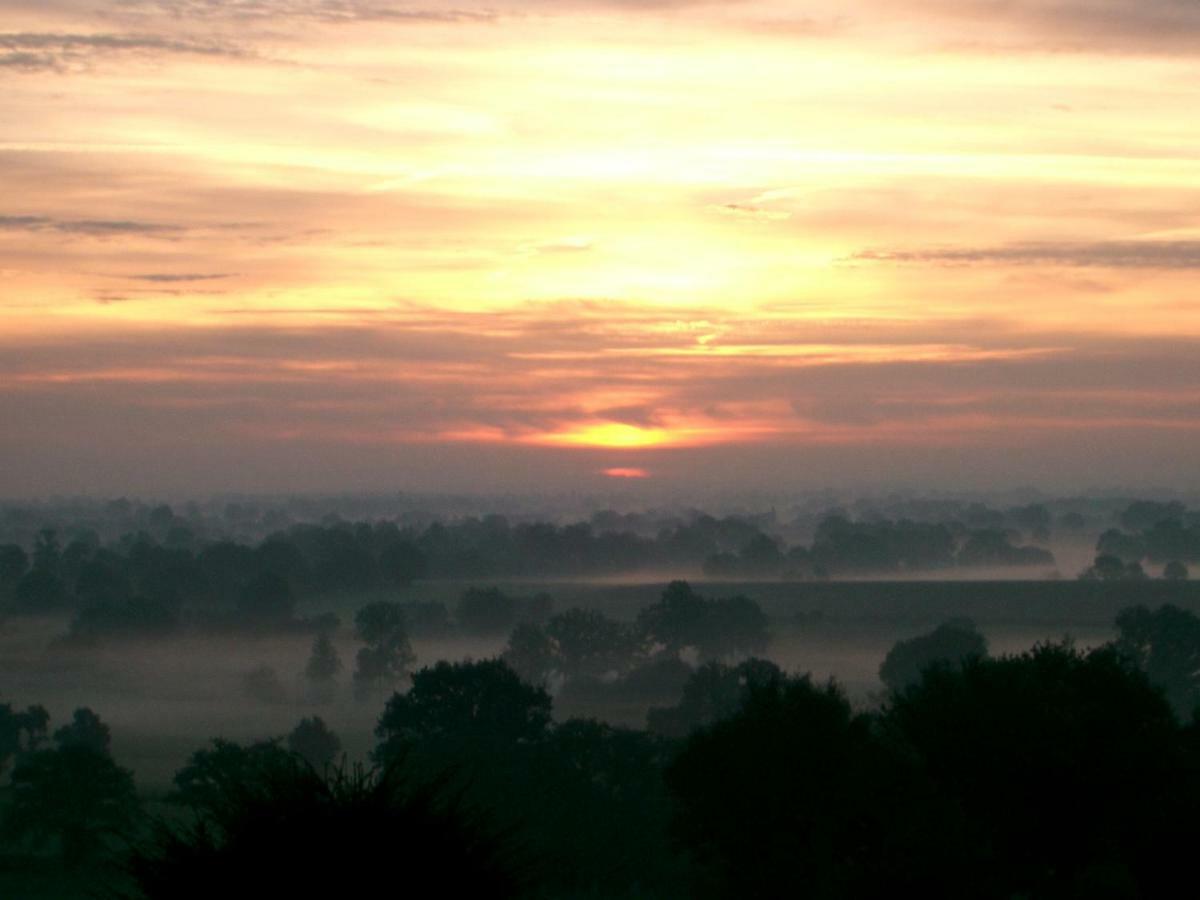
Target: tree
[1143, 514]
[388, 655]
[590, 644]
[1108, 567]
[531, 654]
[1165, 644]
[791, 796]
[1059, 770]
[991, 547]
[131, 617]
[13, 564]
[21, 732]
[74, 796]
[379, 668]
[676, 620]
[733, 626]
[214, 774]
[481, 703]
[1175, 571]
[313, 741]
[266, 600]
[379, 622]
[402, 563]
[47, 552]
[714, 628]
[715, 691]
[85, 730]
[285, 830]
[323, 667]
[948, 644]
[40, 590]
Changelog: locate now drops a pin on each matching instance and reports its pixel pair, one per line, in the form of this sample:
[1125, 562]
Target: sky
[315, 245]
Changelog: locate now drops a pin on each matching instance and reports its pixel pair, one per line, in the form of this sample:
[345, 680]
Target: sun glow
[614, 435]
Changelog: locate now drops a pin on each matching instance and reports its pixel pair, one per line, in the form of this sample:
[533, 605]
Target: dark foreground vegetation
[1051, 773]
[1057, 772]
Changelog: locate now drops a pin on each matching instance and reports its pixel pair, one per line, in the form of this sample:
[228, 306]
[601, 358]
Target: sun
[612, 435]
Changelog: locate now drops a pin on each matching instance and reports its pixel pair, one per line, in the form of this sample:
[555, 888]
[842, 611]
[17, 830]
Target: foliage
[322, 667]
[85, 730]
[531, 653]
[75, 797]
[792, 796]
[21, 732]
[948, 644]
[314, 742]
[1059, 766]
[590, 644]
[1165, 644]
[284, 830]
[715, 691]
[388, 655]
[481, 703]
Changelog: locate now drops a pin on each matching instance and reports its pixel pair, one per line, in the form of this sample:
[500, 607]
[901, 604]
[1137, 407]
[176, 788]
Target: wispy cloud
[330, 11]
[179, 277]
[1102, 254]
[1097, 26]
[34, 51]
[88, 227]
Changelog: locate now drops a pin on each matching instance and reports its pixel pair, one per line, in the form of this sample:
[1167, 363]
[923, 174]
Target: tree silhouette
[531, 653]
[792, 796]
[13, 564]
[677, 620]
[948, 644]
[322, 667]
[213, 774]
[313, 741]
[21, 732]
[1175, 571]
[379, 622]
[85, 730]
[715, 691]
[75, 797]
[284, 830]
[480, 703]
[590, 644]
[388, 655]
[1165, 644]
[266, 600]
[1063, 769]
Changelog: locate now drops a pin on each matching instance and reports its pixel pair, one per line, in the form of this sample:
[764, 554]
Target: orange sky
[322, 244]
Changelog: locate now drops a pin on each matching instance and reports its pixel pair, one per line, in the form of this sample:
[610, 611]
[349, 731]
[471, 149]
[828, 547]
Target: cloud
[1102, 254]
[573, 244]
[34, 51]
[1137, 26]
[328, 11]
[173, 277]
[421, 377]
[88, 227]
[750, 211]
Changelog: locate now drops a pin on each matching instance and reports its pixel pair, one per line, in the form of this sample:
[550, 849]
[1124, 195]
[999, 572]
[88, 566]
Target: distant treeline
[1054, 773]
[168, 569]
